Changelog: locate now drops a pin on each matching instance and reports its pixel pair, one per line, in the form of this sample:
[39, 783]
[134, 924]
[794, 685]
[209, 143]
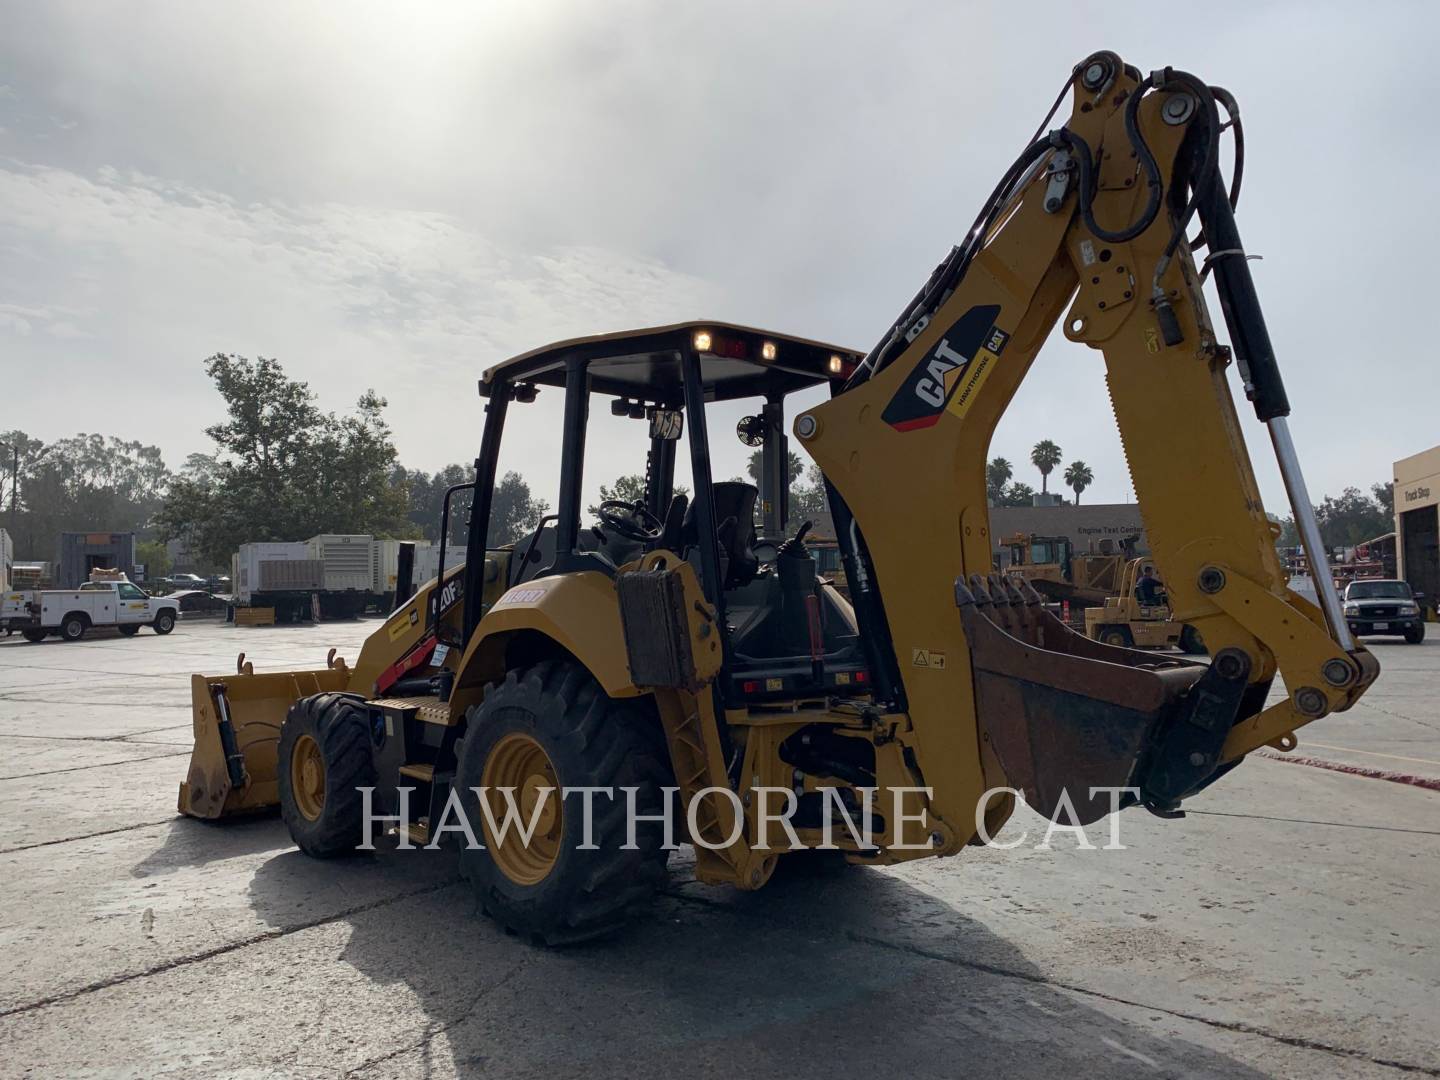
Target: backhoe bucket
[237, 722]
[1067, 716]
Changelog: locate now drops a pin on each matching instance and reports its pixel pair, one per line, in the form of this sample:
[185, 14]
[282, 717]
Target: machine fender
[579, 612]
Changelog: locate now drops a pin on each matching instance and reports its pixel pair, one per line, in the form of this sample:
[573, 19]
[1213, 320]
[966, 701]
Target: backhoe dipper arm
[1092, 216]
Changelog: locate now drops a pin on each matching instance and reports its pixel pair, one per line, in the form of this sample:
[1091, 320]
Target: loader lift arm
[1093, 215]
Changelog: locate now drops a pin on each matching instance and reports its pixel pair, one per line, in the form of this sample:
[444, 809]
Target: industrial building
[81, 552]
[1417, 521]
[1086, 526]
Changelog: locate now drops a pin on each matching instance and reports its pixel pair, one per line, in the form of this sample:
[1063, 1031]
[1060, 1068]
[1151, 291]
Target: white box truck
[277, 575]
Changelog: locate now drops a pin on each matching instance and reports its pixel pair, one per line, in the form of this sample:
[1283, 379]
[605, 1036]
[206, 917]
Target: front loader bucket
[237, 722]
[1066, 715]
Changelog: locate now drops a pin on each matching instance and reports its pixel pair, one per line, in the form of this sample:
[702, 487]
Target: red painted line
[1430, 783]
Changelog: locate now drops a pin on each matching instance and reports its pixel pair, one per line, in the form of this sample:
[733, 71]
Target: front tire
[164, 622]
[552, 725]
[1415, 635]
[322, 761]
[1118, 636]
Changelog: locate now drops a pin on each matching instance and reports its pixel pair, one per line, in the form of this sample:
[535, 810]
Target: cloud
[345, 295]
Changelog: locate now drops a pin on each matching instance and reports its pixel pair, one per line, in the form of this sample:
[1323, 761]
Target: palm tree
[1045, 457]
[1078, 477]
[997, 475]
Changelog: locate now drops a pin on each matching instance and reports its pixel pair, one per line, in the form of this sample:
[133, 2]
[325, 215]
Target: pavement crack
[87, 836]
[1313, 821]
[221, 950]
[101, 765]
[1033, 978]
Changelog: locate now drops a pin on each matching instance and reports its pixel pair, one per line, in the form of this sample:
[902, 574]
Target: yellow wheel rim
[307, 777]
[517, 761]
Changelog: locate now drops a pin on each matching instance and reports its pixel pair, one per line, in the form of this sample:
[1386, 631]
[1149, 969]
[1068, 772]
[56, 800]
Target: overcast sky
[397, 196]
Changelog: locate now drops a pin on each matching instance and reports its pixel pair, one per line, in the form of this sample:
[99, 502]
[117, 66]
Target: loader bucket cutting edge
[255, 707]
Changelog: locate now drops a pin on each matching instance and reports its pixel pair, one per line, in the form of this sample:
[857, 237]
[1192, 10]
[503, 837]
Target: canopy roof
[645, 363]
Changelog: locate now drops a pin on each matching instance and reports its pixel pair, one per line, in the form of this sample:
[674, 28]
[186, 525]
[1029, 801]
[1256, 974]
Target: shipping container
[347, 560]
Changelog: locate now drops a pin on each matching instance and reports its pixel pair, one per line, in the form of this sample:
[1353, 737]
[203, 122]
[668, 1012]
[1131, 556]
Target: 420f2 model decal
[949, 372]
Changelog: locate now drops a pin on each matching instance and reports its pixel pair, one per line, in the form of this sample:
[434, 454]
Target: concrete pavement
[1286, 927]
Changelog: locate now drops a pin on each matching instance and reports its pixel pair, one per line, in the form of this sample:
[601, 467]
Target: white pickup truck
[69, 613]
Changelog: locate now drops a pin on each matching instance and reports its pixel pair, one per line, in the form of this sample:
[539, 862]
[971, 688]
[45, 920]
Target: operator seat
[734, 529]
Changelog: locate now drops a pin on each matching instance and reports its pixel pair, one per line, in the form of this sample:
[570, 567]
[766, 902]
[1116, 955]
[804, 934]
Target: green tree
[1384, 495]
[998, 473]
[514, 511]
[1017, 494]
[807, 486]
[1078, 477]
[629, 489]
[283, 469]
[1351, 518]
[1045, 457]
[152, 555]
[82, 484]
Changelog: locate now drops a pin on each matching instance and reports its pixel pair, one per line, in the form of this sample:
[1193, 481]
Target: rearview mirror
[666, 424]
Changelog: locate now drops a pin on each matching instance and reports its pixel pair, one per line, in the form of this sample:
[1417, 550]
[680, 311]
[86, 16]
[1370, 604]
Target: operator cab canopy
[668, 374]
[647, 364]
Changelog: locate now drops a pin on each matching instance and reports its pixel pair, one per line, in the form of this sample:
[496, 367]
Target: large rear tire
[74, 627]
[36, 636]
[323, 759]
[552, 725]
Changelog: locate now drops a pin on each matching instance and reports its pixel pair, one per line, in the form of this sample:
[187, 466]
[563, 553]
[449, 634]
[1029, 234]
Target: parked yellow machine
[674, 646]
[1128, 621]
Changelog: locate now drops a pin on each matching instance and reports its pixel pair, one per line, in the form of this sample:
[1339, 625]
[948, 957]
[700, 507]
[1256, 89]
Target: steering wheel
[635, 523]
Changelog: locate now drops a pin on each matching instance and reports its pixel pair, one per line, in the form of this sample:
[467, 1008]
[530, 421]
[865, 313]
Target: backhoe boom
[1092, 216]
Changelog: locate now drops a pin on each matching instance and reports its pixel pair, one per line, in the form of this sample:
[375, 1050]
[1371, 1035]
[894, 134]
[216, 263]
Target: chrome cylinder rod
[1309, 530]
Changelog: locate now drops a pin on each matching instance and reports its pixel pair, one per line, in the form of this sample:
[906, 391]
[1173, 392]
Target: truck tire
[552, 725]
[73, 627]
[1191, 642]
[164, 622]
[36, 636]
[322, 761]
[130, 631]
[1415, 635]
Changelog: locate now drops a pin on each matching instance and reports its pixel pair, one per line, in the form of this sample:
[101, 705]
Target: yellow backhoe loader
[677, 645]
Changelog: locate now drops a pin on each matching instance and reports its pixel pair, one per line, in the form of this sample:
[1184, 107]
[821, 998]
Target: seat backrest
[734, 529]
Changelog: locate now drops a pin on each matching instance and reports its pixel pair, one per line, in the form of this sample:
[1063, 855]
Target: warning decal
[927, 658]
